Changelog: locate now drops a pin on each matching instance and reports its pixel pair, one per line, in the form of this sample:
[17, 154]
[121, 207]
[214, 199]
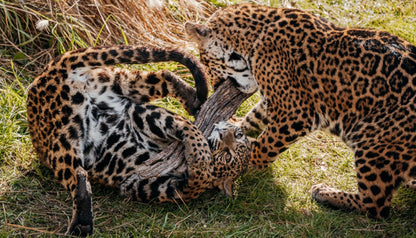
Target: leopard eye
[238, 134]
[228, 157]
[237, 62]
[235, 56]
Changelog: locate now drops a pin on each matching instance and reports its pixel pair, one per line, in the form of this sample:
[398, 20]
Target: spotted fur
[88, 121]
[358, 84]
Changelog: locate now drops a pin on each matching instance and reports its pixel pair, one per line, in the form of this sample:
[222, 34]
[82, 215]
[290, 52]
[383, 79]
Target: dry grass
[32, 32]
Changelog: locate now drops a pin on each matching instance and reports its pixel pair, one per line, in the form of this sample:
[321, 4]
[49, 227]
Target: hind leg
[160, 84]
[378, 178]
[372, 199]
[141, 87]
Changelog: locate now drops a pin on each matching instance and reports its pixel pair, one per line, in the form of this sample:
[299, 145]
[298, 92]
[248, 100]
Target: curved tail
[124, 54]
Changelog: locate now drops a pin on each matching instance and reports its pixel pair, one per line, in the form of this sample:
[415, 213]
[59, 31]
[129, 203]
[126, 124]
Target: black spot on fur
[64, 142]
[67, 174]
[362, 186]
[112, 165]
[385, 212]
[371, 177]
[375, 190]
[364, 169]
[297, 125]
[153, 126]
[128, 53]
[409, 66]
[367, 200]
[103, 78]
[68, 160]
[152, 79]
[60, 175]
[361, 33]
[103, 128]
[169, 122]
[120, 166]
[159, 55]
[386, 176]
[120, 145]
[112, 139]
[102, 164]
[113, 53]
[143, 55]
[116, 89]
[78, 98]
[129, 152]
[142, 158]
[51, 88]
[73, 133]
[282, 23]
[77, 65]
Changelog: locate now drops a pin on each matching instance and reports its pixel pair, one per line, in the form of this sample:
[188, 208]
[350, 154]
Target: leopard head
[221, 53]
[230, 155]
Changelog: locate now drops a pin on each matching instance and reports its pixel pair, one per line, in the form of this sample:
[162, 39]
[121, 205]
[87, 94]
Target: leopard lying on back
[91, 122]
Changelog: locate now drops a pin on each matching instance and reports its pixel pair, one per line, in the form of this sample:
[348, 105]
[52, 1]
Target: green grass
[272, 203]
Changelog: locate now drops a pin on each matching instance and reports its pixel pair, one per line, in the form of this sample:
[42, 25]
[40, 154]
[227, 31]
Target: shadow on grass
[35, 205]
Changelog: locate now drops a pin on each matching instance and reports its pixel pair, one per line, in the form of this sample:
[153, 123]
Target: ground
[275, 202]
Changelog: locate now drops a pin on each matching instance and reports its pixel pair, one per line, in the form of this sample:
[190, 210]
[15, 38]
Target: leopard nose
[223, 133]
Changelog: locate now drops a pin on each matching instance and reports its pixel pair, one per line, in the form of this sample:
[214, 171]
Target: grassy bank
[275, 202]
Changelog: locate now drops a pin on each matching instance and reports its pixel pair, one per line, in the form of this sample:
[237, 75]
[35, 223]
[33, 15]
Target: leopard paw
[411, 184]
[81, 229]
[321, 192]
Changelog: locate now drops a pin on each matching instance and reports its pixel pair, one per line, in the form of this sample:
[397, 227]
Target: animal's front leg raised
[256, 119]
[275, 139]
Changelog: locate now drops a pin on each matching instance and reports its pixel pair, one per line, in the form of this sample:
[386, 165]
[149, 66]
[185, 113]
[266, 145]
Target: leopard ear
[196, 32]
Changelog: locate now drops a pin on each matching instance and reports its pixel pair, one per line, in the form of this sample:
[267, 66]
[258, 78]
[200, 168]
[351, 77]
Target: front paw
[320, 192]
[236, 121]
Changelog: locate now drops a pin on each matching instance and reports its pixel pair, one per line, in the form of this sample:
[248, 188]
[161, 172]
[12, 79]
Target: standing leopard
[358, 84]
[88, 121]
